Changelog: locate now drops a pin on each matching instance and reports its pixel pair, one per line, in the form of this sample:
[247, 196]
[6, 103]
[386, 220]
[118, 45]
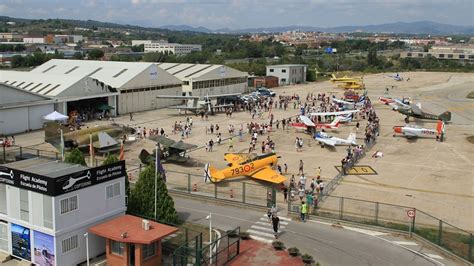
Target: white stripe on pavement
[262, 228]
[281, 222]
[365, 231]
[405, 243]
[281, 218]
[434, 256]
[260, 233]
[261, 239]
[269, 224]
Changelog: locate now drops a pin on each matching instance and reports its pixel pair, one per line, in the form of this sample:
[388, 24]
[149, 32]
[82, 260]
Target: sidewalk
[253, 252]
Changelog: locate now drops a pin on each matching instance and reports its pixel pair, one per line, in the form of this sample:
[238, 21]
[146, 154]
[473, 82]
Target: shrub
[244, 235]
[278, 245]
[306, 258]
[293, 251]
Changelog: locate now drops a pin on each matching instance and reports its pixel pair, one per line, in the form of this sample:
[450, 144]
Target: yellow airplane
[259, 167]
[349, 83]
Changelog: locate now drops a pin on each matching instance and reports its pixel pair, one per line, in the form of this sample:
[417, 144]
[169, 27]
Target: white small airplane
[346, 118]
[197, 104]
[325, 139]
[412, 131]
[334, 113]
[396, 77]
[350, 105]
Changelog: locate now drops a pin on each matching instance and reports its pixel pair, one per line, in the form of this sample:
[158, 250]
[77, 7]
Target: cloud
[4, 8]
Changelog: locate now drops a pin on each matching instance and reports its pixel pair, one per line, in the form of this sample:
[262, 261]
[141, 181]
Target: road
[328, 244]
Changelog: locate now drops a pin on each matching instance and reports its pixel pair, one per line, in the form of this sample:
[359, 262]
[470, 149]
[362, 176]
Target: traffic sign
[411, 213]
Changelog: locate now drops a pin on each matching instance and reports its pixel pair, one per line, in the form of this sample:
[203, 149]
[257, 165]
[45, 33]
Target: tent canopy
[55, 116]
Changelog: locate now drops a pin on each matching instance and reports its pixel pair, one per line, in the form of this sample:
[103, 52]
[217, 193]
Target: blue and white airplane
[350, 105]
[325, 139]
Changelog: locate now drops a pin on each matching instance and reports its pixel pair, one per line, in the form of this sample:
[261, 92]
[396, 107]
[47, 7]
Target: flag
[121, 157]
[91, 150]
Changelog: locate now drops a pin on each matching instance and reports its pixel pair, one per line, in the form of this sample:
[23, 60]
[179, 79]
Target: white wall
[234, 88]
[85, 214]
[22, 119]
[146, 100]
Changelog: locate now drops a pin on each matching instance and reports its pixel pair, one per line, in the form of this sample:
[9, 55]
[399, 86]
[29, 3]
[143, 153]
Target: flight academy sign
[64, 184]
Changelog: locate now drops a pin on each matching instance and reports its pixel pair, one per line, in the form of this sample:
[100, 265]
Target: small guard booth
[130, 240]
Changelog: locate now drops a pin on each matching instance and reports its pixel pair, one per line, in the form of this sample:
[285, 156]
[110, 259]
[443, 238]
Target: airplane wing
[416, 110]
[105, 140]
[162, 140]
[327, 141]
[341, 101]
[234, 158]
[222, 95]
[305, 120]
[177, 97]
[269, 175]
[334, 113]
[180, 145]
[409, 133]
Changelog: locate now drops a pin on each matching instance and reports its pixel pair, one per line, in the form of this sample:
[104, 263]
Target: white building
[140, 42]
[47, 206]
[174, 48]
[203, 79]
[68, 38]
[21, 111]
[33, 39]
[288, 74]
[126, 86]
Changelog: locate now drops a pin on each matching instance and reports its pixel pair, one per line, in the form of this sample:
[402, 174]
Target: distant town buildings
[460, 53]
[174, 48]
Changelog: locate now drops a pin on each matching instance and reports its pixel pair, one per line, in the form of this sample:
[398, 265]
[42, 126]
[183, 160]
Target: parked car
[266, 92]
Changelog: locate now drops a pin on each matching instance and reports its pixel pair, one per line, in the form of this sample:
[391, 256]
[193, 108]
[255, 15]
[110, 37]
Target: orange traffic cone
[195, 188]
[231, 193]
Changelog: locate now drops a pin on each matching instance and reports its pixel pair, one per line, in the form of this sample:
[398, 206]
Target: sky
[239, 14]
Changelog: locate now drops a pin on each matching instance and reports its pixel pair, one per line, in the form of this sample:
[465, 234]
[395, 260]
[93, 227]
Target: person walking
[276, 225]
[231, 145]
[303, 211]
[131, 116]
[300, 169]
[285, 193]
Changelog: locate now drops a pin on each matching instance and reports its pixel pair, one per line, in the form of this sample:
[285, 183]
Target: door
[131, 252]
[4, 236]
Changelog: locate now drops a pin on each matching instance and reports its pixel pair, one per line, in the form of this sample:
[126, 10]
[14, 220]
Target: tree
[17, 61]
[96, 54]
[138, 48]
[75, 157]
[142, 198]
[111, 158]
[372, 57]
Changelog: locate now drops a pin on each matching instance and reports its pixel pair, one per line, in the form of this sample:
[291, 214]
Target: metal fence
[435, 230]
[17, 153]
[218, 253]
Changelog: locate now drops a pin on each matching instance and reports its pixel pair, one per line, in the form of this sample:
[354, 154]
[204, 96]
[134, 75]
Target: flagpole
[156, 175]
[62, 144]
[91, 151]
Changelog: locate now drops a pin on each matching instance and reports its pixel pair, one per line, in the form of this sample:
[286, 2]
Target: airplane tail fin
[445, 117]
[440, 129]
[333, 77]
[335, 122]
[352, 138]
[212, 174]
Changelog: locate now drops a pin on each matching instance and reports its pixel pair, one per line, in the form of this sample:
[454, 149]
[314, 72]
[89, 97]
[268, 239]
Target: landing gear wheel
[407, 120]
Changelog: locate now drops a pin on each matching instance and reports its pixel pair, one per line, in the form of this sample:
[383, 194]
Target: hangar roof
[200, 71]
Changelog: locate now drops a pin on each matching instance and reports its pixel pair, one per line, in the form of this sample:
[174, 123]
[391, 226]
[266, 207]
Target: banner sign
[60, 185]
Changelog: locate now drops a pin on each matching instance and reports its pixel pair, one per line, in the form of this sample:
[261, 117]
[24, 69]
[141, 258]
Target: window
[68, 204]
[120, 72]
[441, 55]
[24, 205]
[283, 80]
[72, 69]
[3, 198]
[117, 247]
[69, 244]
[471, 57]
[461, 56]
[283, 71]
[47, 212]
[112, 191]
[271, 70]
[450, 55]
[149, 250]
[409, 54]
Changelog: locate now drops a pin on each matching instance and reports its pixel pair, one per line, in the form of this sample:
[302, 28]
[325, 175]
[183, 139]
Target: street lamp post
[209, 217]
[156, 176]
[86, 235]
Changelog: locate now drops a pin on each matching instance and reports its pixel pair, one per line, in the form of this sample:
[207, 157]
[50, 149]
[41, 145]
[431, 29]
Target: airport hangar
[63, 85]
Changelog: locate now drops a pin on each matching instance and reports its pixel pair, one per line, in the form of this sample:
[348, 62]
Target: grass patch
[470, 139]
[470, 95]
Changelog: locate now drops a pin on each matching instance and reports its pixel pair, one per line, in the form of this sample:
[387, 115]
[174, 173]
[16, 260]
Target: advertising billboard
[21, 242]
[43, 249]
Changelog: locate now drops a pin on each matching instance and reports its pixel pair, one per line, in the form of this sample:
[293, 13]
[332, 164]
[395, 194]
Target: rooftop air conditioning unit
[145, 225]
